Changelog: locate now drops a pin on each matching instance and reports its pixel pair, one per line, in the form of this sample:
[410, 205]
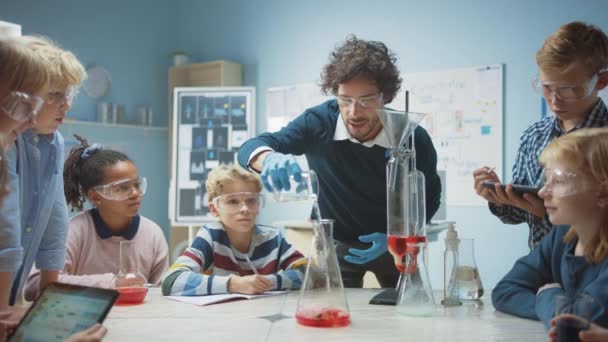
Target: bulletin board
[464, 117]
[209, 126]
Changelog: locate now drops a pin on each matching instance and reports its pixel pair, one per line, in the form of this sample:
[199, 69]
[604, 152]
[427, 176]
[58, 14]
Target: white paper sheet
[213, 299]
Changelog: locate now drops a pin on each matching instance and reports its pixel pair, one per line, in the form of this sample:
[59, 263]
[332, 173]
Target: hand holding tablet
[63, 310]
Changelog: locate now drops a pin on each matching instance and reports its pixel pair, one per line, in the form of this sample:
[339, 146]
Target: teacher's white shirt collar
[341, 133]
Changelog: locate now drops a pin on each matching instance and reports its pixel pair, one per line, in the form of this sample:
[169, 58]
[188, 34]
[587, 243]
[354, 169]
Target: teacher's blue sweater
[352, 177]
[551, 261]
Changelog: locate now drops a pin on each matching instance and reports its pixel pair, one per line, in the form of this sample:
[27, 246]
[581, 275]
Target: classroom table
[272, 319]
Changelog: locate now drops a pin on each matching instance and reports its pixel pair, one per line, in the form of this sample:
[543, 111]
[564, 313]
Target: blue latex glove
[277, 168]
[363, 256]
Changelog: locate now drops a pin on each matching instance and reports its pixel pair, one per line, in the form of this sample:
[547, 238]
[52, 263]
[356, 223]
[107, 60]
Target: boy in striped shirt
[235, 255]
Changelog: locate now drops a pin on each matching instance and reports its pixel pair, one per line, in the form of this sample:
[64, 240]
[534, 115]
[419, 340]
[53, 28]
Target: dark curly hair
[358, 57]
[82, 174]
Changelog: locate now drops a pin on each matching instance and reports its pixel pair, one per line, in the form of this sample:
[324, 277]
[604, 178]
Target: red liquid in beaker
[323, 318]
[131, 295]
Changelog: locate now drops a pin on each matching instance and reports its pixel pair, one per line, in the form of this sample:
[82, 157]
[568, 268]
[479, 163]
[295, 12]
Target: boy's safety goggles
[566, 92]
[59, 98]
[233, 202]
[21, 106]
[123, 189]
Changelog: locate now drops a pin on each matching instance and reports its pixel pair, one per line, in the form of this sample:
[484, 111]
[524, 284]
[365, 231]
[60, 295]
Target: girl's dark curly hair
[80, 174]
[358, 57]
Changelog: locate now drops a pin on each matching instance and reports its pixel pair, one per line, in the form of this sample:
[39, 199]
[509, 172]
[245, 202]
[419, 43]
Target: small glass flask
[322, 301]
[468, 281]
[129, 281]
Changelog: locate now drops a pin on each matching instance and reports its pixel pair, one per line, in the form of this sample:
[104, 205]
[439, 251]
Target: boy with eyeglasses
[34, 218]
[572, 63]
[235, 255]
[345, 144]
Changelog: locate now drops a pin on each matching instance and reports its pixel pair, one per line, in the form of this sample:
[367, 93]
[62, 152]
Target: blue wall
[131, 39]
[287, 42]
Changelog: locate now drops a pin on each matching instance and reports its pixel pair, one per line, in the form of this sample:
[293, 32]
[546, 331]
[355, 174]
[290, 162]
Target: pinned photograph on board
[205, 107]
[226, 157]
[197, 165]
[220, 137]
[238, 107]
[188, 110]
[199, 138]
[220, 108]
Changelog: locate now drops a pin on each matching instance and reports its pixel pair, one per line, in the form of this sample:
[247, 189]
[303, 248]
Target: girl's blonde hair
[575, 43]
[228, 174]
[64, 67]
[587, 150]
[20, 68]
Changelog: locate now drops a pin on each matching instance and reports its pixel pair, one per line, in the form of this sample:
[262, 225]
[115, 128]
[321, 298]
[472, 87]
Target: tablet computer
[63, 310]
[517, 188]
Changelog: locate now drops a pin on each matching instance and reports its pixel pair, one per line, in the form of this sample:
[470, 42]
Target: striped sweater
[205, 267]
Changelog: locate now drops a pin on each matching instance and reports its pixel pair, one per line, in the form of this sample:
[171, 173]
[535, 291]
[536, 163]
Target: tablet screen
[63, 310]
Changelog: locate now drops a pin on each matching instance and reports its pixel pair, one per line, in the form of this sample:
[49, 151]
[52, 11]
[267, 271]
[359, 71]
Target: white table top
[161, 319]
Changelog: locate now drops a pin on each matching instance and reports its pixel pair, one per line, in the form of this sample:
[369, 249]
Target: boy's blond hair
[20, 68]
[586, 150]
[228, 174]
[64, 67]
[575, 43]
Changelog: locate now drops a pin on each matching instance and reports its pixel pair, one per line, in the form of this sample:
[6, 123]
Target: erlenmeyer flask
[466, 275]
[129, 281]
[415, 293]
[322, 302]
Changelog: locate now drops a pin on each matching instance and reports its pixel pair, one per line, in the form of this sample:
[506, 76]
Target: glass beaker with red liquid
[129, 281]
[322, 301]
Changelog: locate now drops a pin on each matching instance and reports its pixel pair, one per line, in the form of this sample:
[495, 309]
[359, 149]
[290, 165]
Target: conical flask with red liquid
[129, 281]
[415, 292]
[322, 301]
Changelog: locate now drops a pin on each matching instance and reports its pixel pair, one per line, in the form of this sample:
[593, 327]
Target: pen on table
[255, 270]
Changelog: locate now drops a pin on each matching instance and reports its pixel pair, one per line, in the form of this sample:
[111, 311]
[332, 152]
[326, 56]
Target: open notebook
[220, 298]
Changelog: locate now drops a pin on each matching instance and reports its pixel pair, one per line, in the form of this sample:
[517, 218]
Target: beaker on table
[129, 281]
[322, 301]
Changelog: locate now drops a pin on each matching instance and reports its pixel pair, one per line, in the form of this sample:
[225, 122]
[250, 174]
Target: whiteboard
[209, 126]
[464, 117]
[285, 103]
